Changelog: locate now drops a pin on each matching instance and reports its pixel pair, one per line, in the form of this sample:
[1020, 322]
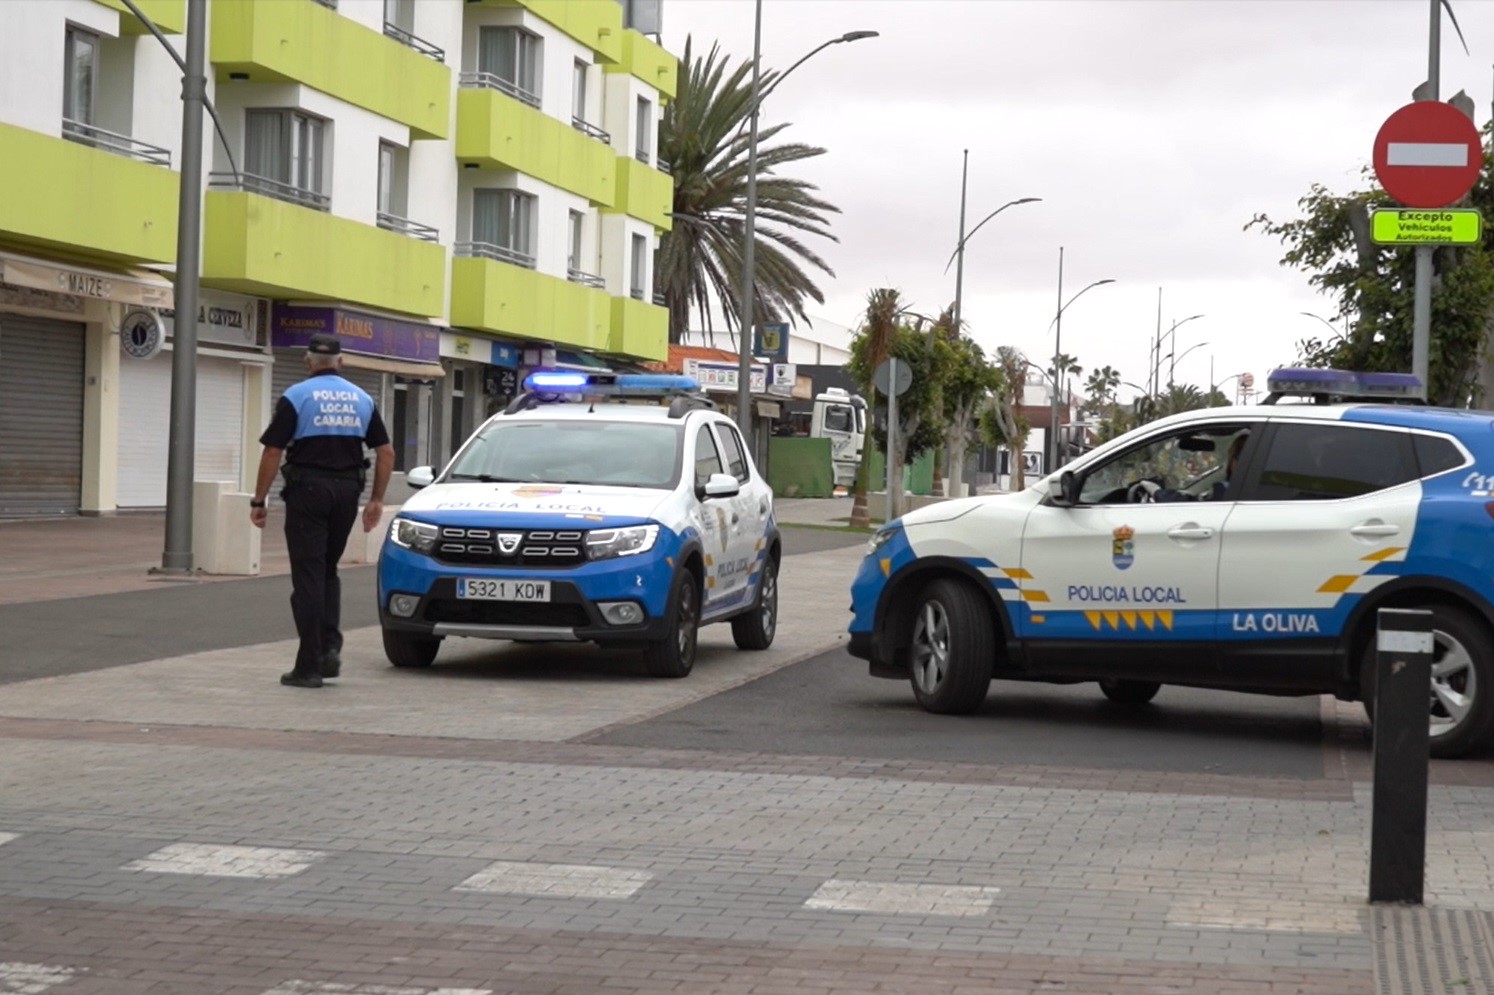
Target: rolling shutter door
[145, 419]
[41, 416]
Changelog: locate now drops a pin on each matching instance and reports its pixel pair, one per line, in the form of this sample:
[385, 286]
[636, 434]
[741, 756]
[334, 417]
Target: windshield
[618, 454]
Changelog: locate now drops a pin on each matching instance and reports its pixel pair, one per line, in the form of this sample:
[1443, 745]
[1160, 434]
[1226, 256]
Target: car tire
[410, 649]
[1462, 672]
[1123, 691]
[755, 629]
[952, 648]
[674, 655]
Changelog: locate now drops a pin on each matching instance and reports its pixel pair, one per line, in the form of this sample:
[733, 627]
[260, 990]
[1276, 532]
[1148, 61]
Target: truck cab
[841, 417]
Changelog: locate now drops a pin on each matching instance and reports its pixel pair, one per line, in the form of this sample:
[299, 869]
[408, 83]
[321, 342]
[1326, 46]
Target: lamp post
[1331, 326]
[1174, 361]
[958, 256]
[1053, 447]
[1172, 346]
[746, 317]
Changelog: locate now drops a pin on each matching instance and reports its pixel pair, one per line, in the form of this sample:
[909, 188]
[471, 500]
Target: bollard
[1398, 827]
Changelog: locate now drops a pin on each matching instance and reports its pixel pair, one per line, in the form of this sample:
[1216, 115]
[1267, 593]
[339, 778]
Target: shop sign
[368, 334]
[77, 282]
[222, 319]
[721, 378]
[141, 334]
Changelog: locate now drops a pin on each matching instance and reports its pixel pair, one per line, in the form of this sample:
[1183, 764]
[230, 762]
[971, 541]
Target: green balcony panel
[303, 42]
[258, 245]
[168, 15]
[83, 200]
[513, 300]
[649, 62]
[597, 24]
[643, 192]
[639, 330]
[497, 131]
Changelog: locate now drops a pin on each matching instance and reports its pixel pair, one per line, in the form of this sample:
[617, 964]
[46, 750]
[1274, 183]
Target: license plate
[484, 589]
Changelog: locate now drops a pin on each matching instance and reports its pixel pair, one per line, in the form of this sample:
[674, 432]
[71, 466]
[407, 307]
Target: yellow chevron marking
[1035, 596]
[759, 545]
[669, 560]
[710, 582]
[1148, 619]
[710, 562]
[1381, 555]
[1338, 584]
[1130, 619]
[1112, 619]
[1166, 619]
[1017, 573]
[1039, 619]
[1094, 619]
[886, 567]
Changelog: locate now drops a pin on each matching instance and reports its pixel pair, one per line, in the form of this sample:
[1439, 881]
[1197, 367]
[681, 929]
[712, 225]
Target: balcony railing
[393, 222]
[661, 301]
[87, 134]
[636, 293]
[642, 156]
[329, 4]
[588, 279]
[586, 128]
[250, 183]
[663, 167]
[492, 81]
[420, 45]
[499, 253]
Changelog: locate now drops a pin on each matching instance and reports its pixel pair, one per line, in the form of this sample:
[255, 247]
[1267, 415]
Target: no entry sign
[1427, 154]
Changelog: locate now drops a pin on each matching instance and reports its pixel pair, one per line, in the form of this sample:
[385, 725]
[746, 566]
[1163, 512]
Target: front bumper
[571, 615]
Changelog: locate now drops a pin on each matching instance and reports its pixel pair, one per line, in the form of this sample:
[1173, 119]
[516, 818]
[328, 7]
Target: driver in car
[1158, 493]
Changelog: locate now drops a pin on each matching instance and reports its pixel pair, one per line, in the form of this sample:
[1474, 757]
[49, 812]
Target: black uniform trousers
[319, 514]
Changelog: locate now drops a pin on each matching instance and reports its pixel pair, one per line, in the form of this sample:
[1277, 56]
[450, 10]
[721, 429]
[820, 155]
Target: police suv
[1245, 548]
[575, 515]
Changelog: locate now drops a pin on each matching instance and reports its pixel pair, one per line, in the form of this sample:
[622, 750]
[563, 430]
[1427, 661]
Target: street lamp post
[1174, 361]
[1053, 447]
[746, 318]
[958, 256]
[1172, 347]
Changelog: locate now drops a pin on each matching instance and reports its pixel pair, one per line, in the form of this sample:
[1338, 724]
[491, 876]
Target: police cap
[322, 344]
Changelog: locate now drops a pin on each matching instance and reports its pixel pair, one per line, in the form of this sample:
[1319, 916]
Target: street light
[1331, 326]
[1172, 344]
[1058, 351]
[1174, 364]
[959, 252]
[746, 318]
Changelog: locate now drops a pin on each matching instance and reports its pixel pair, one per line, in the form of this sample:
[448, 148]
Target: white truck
[840, 417]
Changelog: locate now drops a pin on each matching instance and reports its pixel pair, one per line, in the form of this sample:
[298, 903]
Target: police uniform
[322, 423]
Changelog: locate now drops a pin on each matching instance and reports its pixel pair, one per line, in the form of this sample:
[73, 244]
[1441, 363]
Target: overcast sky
[1152, 131]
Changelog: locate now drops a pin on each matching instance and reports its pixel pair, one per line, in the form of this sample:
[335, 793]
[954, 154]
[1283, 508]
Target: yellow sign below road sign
[1421, 226]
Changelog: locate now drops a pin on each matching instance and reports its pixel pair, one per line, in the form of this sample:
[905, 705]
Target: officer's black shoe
[295, 680]
[332, 664]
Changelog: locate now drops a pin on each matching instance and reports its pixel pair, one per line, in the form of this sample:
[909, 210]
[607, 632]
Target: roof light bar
[1325, 383]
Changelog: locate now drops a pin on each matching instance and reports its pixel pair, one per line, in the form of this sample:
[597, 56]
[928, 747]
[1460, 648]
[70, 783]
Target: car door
[747, 516]
[1130, 565]
[1326, 514]
[714, 515]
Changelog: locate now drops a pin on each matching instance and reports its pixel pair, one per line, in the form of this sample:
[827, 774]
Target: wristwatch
[256, 504]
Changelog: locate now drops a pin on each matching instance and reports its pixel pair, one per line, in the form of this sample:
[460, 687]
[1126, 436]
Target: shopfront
[482, 375]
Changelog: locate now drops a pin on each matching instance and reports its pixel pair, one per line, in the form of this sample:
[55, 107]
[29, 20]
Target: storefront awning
[400, 368]
[138, 287]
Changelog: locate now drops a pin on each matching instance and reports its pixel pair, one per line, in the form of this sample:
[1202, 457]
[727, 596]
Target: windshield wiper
[485, 478]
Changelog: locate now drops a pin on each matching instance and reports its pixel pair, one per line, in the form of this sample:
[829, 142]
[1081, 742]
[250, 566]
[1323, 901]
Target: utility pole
[1421, 307]
[960, 246]
[749, 263]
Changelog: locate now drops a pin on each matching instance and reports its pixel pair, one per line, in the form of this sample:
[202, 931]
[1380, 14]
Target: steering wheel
[1141, 492]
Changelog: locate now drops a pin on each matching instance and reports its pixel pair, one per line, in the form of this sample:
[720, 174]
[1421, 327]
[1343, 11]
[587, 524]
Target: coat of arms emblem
[1123, 547]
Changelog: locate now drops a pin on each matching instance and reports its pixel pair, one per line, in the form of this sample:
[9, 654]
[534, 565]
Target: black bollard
[1398, 830]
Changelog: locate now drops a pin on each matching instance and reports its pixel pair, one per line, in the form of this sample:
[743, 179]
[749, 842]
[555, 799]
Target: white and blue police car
[620, 509]
[1244, 548]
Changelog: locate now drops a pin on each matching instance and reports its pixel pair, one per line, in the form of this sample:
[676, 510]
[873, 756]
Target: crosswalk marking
[31, 979]
[556, 880]
[212, 860]
[902, 899]
[338, 988]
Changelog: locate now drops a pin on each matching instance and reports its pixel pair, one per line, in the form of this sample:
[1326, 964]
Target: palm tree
[1101, 386]
[705, 147]
[880, 325]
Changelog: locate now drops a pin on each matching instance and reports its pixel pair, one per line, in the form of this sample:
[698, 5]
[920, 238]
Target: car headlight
[879, 540]
[417, 536]
[603, 544]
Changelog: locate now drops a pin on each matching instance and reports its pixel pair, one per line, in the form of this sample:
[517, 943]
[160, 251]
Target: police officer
[321, 425]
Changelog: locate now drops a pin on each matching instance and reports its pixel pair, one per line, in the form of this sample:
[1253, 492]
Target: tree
[1101, 387]
[1002, 423]
[704, 144]
[884, 308]
[1372, 289]
[967, 384]
[919, 427]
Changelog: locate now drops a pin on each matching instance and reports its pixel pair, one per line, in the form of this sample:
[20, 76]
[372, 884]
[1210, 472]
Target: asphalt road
[829, 706]
[76, 635]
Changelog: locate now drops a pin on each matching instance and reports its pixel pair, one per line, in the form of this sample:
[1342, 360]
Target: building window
[512, 57]
[639, 267]
[645, 130]
[503, 225]
[458, 410]
[578, 99]
[400, 14]
[81, 74]
[284, 156]
[573, 256]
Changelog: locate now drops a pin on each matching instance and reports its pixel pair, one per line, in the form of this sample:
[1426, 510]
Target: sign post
[892, 379]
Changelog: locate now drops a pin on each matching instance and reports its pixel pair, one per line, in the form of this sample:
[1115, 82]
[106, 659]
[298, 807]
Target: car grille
[511, 547]
[505, 613]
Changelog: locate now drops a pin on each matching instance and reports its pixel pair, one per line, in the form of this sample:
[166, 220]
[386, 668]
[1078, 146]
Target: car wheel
[755, 629]
[674, 655]
[1461, 702]
[952, 648]
[409, 649]
[1128, 692]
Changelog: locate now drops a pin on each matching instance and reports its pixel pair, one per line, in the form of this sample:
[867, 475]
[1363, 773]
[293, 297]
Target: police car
[1151, 560]
[580, 514]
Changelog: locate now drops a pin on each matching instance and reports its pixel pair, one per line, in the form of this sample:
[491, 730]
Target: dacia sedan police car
[1245, 548]
[574, 515]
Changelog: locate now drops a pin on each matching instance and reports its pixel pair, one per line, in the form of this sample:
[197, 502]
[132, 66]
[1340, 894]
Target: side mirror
[721, 485]
[420, 476]
[1063, 490]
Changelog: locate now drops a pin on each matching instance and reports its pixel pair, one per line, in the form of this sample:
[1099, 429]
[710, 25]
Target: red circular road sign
[1428, 154]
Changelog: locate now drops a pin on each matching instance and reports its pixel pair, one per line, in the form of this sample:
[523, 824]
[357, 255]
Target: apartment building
[457, 188]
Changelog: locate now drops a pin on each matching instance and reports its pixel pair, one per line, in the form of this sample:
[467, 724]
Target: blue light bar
[655, 383]
[1389, 385]
[1304, 381]
[556, 380]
